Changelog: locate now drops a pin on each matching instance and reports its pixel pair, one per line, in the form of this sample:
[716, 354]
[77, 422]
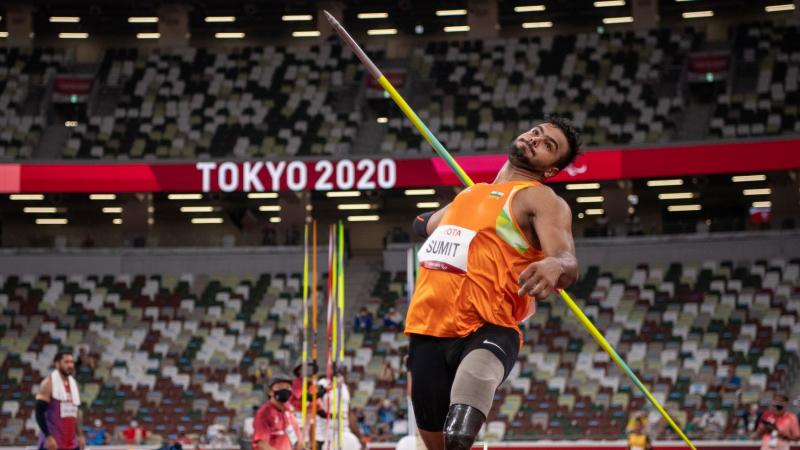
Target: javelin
[466, 180]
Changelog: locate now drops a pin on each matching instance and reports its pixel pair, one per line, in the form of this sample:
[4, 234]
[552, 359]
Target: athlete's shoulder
[543, 198]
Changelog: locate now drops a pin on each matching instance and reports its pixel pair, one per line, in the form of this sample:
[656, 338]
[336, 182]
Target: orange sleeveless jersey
[470, 266]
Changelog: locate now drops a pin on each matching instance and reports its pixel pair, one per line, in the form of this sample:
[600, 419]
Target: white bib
[68, 410]
[446, 249]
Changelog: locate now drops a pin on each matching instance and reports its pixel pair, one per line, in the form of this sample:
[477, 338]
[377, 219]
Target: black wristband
[420, 224]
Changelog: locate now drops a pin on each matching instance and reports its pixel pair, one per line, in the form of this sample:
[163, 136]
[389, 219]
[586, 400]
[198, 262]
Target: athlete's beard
[64, 373]
[516, 157]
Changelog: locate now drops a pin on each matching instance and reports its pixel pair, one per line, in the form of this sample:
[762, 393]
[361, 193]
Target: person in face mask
[778, 426]
[275, 427]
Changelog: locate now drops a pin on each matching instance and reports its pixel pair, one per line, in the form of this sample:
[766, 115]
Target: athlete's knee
[476, 380]
[462, 426]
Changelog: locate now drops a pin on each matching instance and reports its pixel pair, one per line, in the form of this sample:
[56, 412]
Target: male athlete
[488, 256]
[57, 412]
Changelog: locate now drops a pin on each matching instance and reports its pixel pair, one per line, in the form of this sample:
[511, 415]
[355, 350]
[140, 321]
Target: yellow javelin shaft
[620, 362]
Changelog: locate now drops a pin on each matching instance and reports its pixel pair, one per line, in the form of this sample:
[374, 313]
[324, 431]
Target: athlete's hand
[50, 443]
[540, 279]
[82, 442]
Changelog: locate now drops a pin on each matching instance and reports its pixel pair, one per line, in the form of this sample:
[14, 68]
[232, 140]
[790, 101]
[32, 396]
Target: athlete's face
[539, 149]
[66, 365]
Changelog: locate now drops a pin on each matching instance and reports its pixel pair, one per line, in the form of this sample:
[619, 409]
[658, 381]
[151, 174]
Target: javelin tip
[330, 18]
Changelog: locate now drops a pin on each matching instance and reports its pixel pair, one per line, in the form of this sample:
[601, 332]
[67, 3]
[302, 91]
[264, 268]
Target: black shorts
[433, 362]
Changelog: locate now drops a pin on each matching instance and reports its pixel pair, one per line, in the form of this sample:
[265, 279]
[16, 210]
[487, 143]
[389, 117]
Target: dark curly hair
[573, 139]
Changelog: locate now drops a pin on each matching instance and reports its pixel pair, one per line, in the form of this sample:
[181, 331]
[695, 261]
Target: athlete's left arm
[552, 221]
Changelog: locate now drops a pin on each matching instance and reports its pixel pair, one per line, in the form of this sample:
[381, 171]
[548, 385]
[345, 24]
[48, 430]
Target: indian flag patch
[496, 194]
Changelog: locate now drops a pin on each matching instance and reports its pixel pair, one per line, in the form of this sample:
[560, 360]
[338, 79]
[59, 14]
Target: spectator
[386, 413]
[134, 434]
[361, 421]
[387, 374]
[639, 416]
[96, 435]
[712, 422]
[637, 436]
[297, 385]
[363, 320]
[393, 320]
[275, 427]
[747, 421]
[730, 383]
[778, 426]
[183, 439]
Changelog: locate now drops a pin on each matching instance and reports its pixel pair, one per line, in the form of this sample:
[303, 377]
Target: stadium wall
[606, 252]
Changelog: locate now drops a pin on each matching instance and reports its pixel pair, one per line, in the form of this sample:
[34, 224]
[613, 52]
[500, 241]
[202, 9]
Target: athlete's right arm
[425, 223]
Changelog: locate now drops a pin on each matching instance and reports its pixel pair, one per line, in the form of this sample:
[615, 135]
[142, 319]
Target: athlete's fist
[540, 279]
[50, 443]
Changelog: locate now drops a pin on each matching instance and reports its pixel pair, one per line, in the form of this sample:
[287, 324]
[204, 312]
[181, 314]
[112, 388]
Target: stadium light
[547, 24]
[748, 178]
[73, 35]
[229, 35]
[382, 31]
[269, 208]
[71, 123]
[39, 210]
[148, 35]
[761, 191]
[456, 29]
[779, 8]
[116, 221]
[383, 119]
[3, 34]
[668, 182]
[112, 209]
[354, 207]
[297, 17]
[375, 15]
[676, 195]
[428, 205]
[218, 19]
[102, 196]
[529, 8]
[451, 12]
[262, 195]
[274, 220]
[64, 19]
[682, 208]
[142, 19]
[595, 212]
[766, 204]
[613, 20]
[371, 218]
[591, 199]
[206, 220]
[609, 3]
[309, 33]
[185, 196]
[26, 197]
[420, 192]
[582, 186]
[52, 221]
[197, 209]
[337, 194]
[697, 14]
